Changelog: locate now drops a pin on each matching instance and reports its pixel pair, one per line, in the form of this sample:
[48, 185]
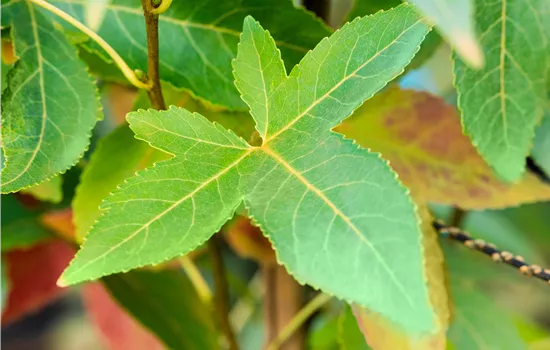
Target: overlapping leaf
[541, 146]
[335, 213]
[381, 334]
[422, 138]
[50, 104]
[454, 19]
[502, 103]
[50, 190]
[204, 35]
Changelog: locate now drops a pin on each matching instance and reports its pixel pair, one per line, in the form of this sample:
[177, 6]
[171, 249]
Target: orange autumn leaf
[60, 222]
[422, 138]
[248, 241]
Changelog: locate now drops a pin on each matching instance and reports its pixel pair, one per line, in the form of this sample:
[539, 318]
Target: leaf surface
[119, 155]
[502, 103]
[50, 105]
[326, 205]
[422, 138]
[381, 334]
[199, 39]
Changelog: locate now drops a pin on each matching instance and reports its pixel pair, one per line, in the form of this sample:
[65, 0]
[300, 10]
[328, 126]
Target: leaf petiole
[126, 70]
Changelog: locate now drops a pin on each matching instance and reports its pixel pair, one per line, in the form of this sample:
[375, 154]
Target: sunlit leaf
[48, 84]
[329, 228]
[422, 138]
[454, 20]
[502, 103]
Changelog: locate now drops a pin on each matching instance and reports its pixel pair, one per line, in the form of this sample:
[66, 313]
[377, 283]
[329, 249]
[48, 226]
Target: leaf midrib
[335, 87]
[40, 69]
[167, 210]
[343, 216]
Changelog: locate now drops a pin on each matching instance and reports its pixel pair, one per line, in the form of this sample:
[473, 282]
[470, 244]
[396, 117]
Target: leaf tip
[61, 282]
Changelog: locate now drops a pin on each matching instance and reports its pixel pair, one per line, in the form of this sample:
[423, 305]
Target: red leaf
[118, 329]
[33, 274]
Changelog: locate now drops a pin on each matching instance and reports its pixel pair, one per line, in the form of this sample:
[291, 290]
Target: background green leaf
[198, 40]
[49, 191]
[47, 84]
[502, 103]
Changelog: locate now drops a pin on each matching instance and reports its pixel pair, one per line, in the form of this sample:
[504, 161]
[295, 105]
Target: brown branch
[491, 250]
[282, 302]
[221, 292]
[152, 28]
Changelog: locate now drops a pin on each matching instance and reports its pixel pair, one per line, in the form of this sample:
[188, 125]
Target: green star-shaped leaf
[335, 213]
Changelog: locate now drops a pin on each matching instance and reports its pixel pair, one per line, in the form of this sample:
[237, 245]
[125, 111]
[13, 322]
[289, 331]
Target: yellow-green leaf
[422, 138]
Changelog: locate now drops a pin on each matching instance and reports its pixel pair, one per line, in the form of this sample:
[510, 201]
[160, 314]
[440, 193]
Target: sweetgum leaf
[335, 213]
[368, 7]
[204, 35]
[381, 334]
[421, 136]
[118, 156]
[502, 103]
[50, 105]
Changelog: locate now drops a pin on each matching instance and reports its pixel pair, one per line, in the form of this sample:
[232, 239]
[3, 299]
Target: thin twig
[126, 70]
[152, 28]
[299, 319]
[221, 292]
[196, 278]
[489, 249]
